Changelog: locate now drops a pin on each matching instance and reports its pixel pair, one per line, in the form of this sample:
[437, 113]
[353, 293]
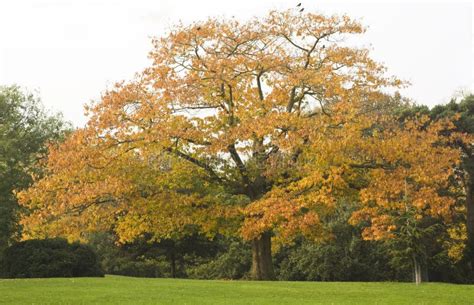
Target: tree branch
[240, 165]
[197, 162]
[259, 85]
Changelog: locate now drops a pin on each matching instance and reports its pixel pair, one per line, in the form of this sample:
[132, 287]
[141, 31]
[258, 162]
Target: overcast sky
[71, 51]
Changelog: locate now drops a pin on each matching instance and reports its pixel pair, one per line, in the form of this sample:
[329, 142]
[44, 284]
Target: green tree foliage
[343, 257]
[25, 130]
[233, 262]
[464, 110]
[185, 256]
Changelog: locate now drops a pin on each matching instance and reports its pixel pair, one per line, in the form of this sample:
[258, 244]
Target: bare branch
[197, 162]
[240, 165]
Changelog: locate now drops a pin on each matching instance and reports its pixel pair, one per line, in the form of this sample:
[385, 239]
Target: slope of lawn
[127, 290]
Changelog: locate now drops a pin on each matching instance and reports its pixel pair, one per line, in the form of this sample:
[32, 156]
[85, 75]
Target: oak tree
[252, 129]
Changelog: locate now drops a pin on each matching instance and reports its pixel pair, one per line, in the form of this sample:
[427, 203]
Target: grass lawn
[128, 290]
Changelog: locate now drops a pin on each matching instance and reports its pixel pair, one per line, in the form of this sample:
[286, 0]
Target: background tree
[252, 129]
[464, 111]
[461, 114]
[412, 167]
[344, 256]
[25, 130]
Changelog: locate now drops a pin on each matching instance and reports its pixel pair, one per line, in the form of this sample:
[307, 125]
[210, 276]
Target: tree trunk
[417, 270]
[424, 273]
[470, 222]
[173, 265]
[262, 265]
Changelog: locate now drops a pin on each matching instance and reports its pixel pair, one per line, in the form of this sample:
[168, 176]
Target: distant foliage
[26, 129]
[173, 257]
[49, 258]
[233, 264]
[141, 268]
[346, 256]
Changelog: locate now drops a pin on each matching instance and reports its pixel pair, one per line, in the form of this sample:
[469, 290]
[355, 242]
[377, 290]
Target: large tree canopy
[254, 128]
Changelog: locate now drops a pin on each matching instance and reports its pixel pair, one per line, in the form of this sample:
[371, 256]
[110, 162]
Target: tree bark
[425, 277]
[417, 270]
[470, 222]
[173, 265]
[262, 265]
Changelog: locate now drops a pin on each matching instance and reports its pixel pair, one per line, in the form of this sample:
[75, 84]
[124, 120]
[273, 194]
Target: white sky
[70, 51]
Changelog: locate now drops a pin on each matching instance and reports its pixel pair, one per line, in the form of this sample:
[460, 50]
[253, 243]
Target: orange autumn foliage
[241, 128]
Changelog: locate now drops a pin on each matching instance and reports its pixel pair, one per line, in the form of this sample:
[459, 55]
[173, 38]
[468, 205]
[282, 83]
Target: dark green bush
[333, 261]
[344, 257]
[49, 258]
[140, 268]
[233, 264]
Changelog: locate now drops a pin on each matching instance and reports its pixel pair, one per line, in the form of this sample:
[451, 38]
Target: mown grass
[126, 290]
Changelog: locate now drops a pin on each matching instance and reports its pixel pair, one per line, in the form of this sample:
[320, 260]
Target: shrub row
[49, 258]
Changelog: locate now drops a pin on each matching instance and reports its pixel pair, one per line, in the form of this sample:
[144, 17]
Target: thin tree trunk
[173, 265]
[262, 265]
[417, 270]
[470, 222]
[424, 273]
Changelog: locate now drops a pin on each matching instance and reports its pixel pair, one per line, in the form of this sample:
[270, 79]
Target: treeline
[345, 256]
